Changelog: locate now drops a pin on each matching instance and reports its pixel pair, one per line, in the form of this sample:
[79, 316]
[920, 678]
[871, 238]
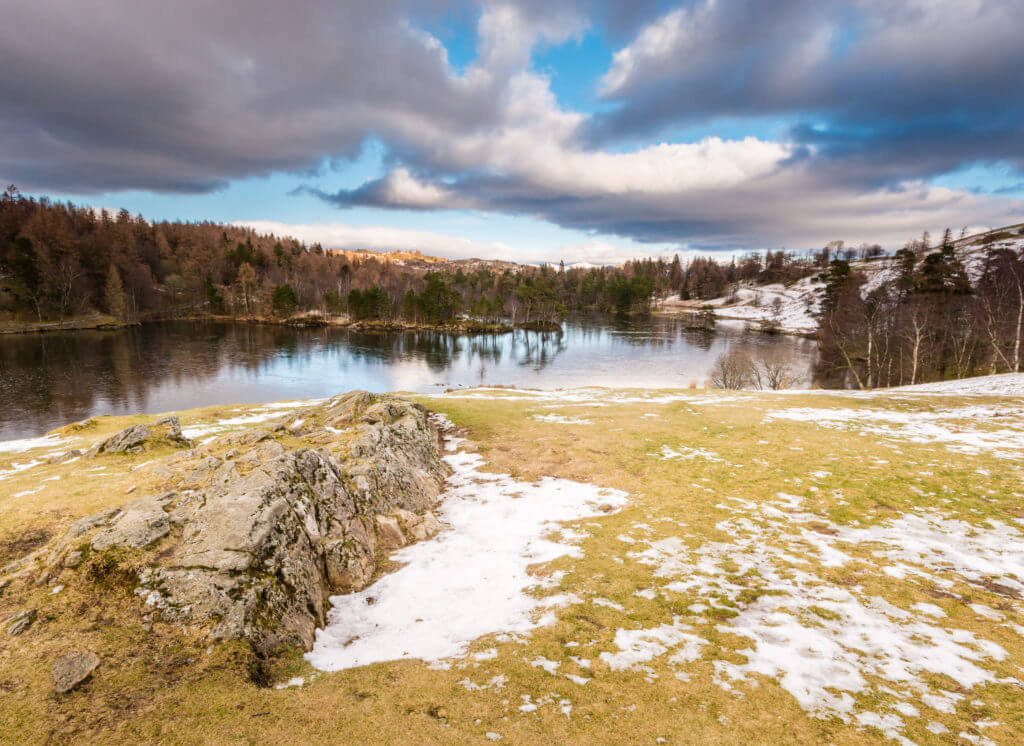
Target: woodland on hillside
[927, 320]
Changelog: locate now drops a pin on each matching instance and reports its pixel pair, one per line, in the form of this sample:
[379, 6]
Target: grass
[165, 686]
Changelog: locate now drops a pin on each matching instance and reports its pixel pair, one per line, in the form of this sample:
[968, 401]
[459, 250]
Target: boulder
[129, 440]
[262, 548]
[132, 439]
[254, 546]
[72, 669]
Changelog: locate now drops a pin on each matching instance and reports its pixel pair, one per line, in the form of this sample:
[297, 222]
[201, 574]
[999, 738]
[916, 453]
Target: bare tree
[774, 370]
[734, 369]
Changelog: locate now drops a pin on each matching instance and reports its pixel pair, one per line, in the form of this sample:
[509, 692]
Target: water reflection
[49, 380]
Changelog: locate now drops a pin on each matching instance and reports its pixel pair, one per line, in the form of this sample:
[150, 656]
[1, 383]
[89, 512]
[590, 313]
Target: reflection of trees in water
[699, 338]
[434, 349]
[537, 349]
[51, 379]
[64, 376]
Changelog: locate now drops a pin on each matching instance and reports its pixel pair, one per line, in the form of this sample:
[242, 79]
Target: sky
[527, 130]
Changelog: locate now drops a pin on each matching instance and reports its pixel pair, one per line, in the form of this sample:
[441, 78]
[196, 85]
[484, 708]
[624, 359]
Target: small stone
[60, 458]
[606, 508]
[72, 669]
[21, 622]
[73, 559]
[131, 489]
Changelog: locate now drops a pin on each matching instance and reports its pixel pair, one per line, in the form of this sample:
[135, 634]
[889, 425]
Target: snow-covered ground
[469, 581]
[997, 430]
[829, 645]
[792, 308]
[1001, 384]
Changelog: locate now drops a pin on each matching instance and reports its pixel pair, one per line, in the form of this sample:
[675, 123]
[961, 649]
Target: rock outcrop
[254, 531]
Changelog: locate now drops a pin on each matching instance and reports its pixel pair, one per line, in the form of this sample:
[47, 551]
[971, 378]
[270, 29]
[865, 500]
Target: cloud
[897, 90]
[390, 238]
[186, 96]
[879, 98]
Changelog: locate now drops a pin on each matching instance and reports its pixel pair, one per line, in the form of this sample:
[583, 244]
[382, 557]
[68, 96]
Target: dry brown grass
[164, 686]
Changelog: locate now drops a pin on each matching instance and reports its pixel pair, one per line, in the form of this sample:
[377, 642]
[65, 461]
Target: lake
[48, 380]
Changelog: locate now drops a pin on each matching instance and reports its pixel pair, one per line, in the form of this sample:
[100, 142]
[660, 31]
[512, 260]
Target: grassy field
[791, 568]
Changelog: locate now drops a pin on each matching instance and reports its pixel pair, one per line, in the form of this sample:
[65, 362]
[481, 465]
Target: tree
[774, 370]
[246, 285]
[283, 299]
[113, 295]
[734, 369]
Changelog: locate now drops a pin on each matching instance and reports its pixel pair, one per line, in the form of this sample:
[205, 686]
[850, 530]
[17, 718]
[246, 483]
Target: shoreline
[465, 326]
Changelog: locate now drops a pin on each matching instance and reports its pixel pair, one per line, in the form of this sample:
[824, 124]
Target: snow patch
[471, 580]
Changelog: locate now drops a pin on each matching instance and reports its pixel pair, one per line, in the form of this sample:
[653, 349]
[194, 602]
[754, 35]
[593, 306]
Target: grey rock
[126, 441]
[72, 669]
[255, 546]
[170, 428]
[84, 525]
[21, 622]
[141, 522]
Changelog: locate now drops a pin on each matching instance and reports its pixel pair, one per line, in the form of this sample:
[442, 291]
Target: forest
[59, 261]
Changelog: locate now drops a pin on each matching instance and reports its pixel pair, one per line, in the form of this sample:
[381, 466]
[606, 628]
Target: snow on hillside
[797, 305]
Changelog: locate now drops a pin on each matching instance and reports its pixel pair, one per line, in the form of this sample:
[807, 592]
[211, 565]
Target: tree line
[59, 261]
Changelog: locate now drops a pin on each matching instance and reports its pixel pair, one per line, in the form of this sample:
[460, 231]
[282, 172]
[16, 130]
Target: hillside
[733, 566]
